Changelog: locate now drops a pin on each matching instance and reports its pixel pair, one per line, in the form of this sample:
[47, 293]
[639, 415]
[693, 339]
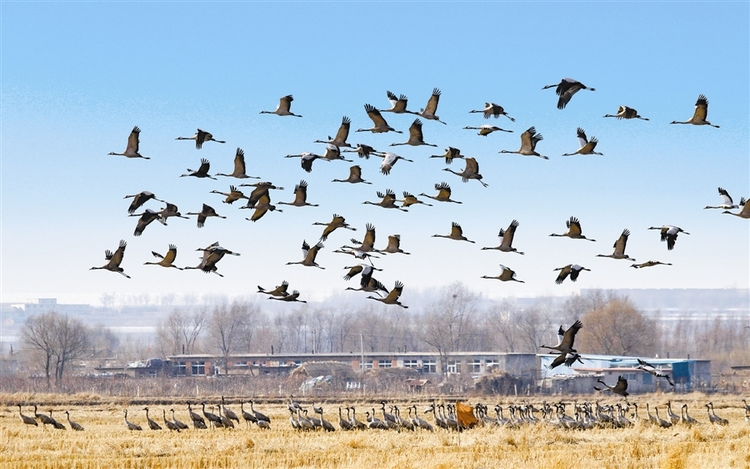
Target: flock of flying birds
[259, 198]
[567, 355]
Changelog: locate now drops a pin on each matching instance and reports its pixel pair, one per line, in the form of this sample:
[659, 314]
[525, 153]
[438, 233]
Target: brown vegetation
[107, 442]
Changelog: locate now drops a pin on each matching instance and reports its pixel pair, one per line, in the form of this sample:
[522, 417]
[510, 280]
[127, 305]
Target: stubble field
[107, 443]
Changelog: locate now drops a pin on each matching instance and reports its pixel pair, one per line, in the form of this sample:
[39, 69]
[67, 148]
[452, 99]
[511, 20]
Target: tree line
[457, 320]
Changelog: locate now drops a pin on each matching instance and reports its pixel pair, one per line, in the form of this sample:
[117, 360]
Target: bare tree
[180, 331]
[503, 321]
[56, 339]
[230, 329]
[449, 324]
[102, 341]
[38, 335]
[617, 328]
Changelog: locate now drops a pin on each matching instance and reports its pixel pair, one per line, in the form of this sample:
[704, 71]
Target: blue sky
[76, 78]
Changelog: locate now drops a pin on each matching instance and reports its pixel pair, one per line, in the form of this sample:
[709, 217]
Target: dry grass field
[107, 443]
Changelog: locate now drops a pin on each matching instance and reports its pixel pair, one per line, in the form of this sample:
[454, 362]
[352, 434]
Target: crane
[368, 243]
[410, 200]
[139, 199]
[261, 189]
[170, 210]
[506, 239]
[363, 151]
[394, 245]
[651, 369]
[201, 137]
[239, 167]
[492, 110]
[726, 201]
[450, 154]
[506, 274]
[574, 230]
[619, 247]
[432, 104]
[300, 196]
[587, 146]
[337, 222]
[114, 259]
[393, 296]
[529, 139]
[744, 213]
[485, 130]
[566, 89]
[624, 112]
[669, 234]
[131, 151]
[262, 206]
[279, 290]
[443, 195]
[364, 269]
[343, 133]
[571, 269]
[388, 200]
[355, 176]
[294, 296]
[145, 219]
[167, 260]
[620, 388]
[398, 104]
[206, 211]
[307, 159]
[389, 160]
[649, 264]
[201, 172]
[567, 338]
[416, 138]
[285, 103]
[456, 234]
[471, 171]
[379, 123]
[232, 196]
[308, 255]
[700, 114]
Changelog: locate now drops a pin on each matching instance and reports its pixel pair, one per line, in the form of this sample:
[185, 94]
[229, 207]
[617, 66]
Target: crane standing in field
[131, 151]
[285, 103]
[700, 114]
[201, 137]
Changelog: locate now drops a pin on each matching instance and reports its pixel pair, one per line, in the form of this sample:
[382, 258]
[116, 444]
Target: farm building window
[198, 368]
[181, 369]
[476, 366]
[429, 366]
[366, 365]
[454, 366]
[411, 363]
[384, 364]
